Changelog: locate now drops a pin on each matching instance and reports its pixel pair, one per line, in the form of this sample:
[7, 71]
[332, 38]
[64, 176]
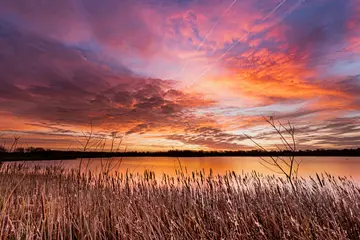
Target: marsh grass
[53, 203]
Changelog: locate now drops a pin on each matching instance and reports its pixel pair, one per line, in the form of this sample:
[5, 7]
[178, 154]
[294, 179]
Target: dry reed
[52, 203]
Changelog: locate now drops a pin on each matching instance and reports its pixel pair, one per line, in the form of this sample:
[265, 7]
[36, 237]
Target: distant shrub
[35, 149]
[2, 149]
[19, 150]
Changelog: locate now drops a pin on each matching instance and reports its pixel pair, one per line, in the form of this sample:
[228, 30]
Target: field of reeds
[52, 203]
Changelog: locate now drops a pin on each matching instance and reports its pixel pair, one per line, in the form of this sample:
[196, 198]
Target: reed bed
[52, 203]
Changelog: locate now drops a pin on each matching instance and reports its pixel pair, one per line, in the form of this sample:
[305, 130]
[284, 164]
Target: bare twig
[13, 146]
[288, 166]
[88, 139]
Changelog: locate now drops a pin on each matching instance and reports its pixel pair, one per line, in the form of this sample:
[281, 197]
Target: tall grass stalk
[53, 203]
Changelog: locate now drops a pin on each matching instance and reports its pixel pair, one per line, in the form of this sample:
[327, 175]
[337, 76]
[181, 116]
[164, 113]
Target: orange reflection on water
[337, 166]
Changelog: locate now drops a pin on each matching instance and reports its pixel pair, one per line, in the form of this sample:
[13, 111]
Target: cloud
[210, 138]
[45, 81]
[331, 133]
[66, 63]
[299, 59]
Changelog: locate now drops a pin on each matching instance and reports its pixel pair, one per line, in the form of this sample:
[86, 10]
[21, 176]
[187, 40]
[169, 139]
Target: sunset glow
[183, 74]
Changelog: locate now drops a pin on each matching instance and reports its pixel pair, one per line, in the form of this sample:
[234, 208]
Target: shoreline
[71, 155]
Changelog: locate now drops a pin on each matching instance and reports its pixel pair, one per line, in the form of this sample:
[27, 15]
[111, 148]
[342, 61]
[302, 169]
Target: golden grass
[55, 204]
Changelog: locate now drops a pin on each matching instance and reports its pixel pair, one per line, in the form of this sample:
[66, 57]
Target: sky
[179, 74]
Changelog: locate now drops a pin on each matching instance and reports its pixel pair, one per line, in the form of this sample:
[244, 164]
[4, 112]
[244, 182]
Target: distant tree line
[36, 153]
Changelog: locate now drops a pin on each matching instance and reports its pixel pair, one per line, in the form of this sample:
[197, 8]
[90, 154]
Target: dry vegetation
[55, 204]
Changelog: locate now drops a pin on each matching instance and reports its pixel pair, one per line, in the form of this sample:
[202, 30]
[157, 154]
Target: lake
[337, 166]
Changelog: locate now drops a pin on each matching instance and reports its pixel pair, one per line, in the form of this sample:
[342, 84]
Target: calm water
[338, 166]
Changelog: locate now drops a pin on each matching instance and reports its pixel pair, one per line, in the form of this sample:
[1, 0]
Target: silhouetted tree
[19, 150]
[2, 149]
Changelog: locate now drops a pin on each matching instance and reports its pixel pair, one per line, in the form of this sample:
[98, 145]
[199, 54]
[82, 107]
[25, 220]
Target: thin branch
[287, 166]
[258, 145]
[270, 168]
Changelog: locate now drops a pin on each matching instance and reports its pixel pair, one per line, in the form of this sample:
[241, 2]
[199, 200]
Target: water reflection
[338, 166]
